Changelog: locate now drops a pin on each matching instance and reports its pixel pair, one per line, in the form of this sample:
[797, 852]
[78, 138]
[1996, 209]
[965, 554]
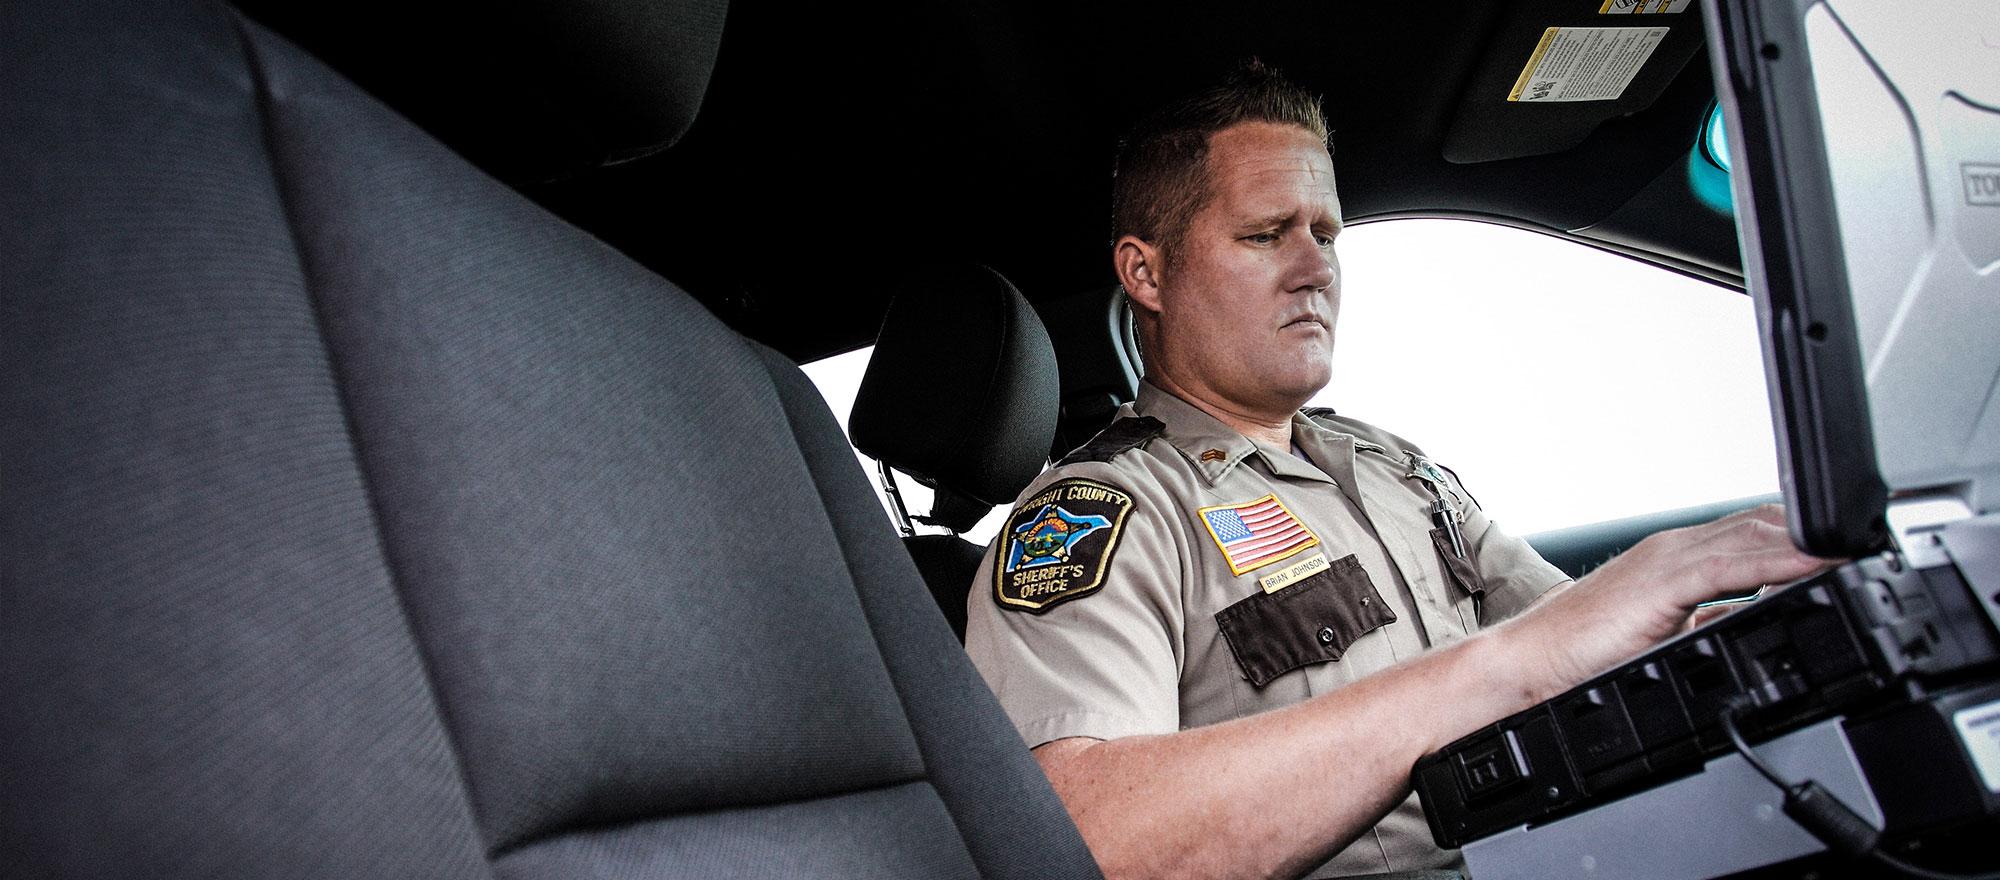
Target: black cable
[1743, 746]
[1909, 870]
[1822, 814]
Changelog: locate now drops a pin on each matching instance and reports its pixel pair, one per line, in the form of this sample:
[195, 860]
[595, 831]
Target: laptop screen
[1865, 143]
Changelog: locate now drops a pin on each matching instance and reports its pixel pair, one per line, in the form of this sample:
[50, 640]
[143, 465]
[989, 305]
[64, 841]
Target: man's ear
[1138, 264]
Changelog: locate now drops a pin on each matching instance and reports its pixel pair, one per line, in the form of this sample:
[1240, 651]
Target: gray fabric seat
[362, 520]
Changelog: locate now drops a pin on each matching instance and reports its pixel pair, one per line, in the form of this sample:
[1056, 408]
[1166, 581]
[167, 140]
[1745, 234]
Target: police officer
[1228, 628]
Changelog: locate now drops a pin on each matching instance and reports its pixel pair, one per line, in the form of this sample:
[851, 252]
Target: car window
[1564, 385]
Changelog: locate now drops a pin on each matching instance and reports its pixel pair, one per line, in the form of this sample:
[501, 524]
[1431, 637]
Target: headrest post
[895, 497]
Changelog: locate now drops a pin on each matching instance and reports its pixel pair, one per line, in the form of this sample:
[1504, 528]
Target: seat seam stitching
[599, 827]
[265, 101]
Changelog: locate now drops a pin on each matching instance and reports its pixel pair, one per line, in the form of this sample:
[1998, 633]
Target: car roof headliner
[841, 148]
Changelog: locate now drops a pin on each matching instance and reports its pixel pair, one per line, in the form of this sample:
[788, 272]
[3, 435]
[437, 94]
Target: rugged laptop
[1851, 722]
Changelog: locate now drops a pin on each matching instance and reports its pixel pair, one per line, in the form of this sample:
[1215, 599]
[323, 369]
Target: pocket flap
[1312, 621]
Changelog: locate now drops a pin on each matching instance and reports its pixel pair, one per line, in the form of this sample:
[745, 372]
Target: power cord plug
[1823, 815]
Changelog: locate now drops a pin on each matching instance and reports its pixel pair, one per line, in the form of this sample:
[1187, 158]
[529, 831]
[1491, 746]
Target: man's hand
[1649, 592]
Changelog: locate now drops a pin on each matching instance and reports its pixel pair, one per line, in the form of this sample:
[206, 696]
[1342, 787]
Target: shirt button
[1326, 635]
[1364, 601]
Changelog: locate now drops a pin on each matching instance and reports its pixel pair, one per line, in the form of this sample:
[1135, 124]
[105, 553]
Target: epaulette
[1119, 436]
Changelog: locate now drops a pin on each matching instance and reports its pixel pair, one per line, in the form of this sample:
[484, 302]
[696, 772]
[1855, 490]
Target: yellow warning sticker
[1585, 64]
[1312, 566]
[1643, 7]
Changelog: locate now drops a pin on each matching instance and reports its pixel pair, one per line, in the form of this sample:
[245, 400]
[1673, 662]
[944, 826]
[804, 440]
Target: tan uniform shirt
[1163, 589]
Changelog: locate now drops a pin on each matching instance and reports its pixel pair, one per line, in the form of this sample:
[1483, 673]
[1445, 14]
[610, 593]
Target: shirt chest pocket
[1312, 621]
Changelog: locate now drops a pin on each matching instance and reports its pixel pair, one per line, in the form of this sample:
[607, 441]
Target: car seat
[1096, 343]
[361, 519]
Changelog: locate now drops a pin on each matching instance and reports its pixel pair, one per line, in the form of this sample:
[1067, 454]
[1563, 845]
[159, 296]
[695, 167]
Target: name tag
[1311, 566]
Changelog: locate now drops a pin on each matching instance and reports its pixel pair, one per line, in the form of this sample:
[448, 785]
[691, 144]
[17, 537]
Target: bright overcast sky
[1563, 384]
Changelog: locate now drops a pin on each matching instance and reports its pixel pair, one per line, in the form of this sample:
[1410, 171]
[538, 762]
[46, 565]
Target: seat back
[1097, 344]
[363, 520]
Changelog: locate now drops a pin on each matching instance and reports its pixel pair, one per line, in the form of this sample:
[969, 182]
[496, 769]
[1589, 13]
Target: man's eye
[1262, 237]
[1325, 241]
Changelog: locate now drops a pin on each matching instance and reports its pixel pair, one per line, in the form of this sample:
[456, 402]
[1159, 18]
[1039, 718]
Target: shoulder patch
[1057, 544]
[1124, 434]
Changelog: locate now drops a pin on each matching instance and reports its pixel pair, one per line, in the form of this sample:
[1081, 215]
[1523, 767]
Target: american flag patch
[1256, 533]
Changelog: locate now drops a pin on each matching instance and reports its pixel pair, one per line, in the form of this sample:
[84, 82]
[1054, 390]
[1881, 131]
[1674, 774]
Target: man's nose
[1315, 268]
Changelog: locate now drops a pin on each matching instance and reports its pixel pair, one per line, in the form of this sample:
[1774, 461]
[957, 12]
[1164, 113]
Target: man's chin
[1295, 392]
[1304, 383]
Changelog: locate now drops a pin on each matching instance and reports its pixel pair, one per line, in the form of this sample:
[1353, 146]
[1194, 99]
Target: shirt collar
[1213, 449]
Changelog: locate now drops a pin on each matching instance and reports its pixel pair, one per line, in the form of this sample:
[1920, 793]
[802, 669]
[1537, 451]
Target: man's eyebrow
[1286, 217]
[1267, 221]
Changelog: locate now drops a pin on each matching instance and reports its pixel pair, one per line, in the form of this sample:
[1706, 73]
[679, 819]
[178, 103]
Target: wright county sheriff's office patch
[1057, 545]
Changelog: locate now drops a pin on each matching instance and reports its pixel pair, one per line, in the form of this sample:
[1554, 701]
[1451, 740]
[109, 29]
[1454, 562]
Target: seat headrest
[962, 392]
[530, 91]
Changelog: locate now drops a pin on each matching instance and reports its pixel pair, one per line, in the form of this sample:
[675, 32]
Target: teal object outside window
[1708, 165]
[1715, 139]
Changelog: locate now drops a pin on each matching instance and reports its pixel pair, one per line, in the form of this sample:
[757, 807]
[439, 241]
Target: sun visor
[530, 91]
[1557, 69]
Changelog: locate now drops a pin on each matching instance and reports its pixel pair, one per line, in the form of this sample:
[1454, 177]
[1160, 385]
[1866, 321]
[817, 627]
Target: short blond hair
[1160, 180]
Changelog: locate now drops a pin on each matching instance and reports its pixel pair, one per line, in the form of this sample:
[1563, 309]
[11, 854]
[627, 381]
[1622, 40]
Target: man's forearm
[1222, 801]
[1275, 794]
